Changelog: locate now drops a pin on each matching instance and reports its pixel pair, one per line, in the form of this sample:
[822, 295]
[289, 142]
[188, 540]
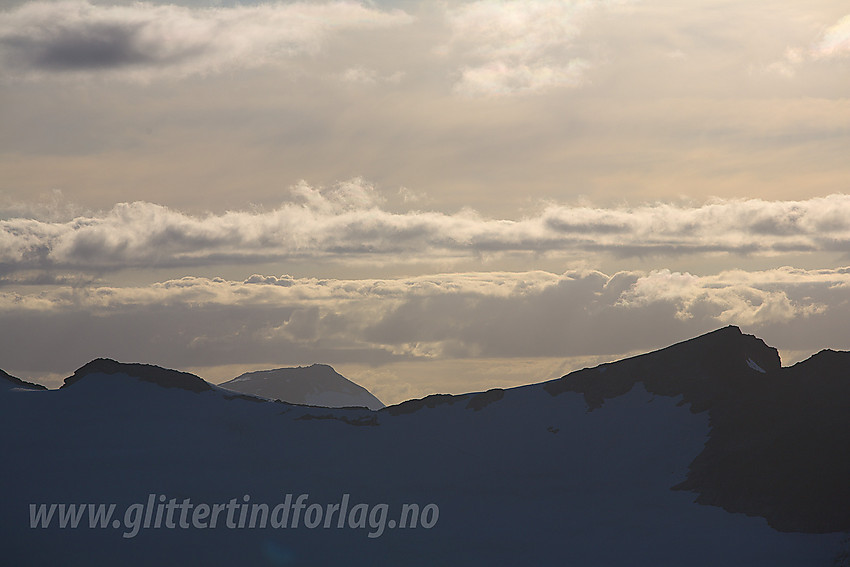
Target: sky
[430, 196]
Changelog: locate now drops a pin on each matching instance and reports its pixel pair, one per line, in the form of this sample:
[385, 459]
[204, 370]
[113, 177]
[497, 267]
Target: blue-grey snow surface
[520, 477]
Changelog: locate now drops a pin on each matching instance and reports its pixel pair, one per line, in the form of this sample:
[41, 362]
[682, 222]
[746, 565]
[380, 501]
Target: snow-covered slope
[316, 385]
[579, 471]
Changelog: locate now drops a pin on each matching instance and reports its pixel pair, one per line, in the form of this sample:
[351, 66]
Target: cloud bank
[144, 40]
[349, 223]
[197, 321]
[482, 48]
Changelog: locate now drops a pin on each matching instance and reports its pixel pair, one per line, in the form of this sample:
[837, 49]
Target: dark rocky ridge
[477, 401]
[432, 401]
[18, 383]
[146, 372]
[703, 370]
[779, 445]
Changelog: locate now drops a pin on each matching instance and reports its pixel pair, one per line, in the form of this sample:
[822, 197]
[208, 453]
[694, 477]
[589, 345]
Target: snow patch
[752, 364]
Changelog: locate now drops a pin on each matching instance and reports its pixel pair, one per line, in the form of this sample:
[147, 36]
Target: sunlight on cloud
[522, 29]
[499, 78]
[738, 298]
[835, 40]
[515, 47]
[348, 223]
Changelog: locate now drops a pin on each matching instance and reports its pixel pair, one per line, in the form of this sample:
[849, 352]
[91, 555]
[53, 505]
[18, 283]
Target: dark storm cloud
[45, 279]
[149, 39]
[96, 46]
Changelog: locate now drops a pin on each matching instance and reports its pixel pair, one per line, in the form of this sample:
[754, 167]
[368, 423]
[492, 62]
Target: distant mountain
[316, 385]
[8, 382]
[705, 453]
[145, 372]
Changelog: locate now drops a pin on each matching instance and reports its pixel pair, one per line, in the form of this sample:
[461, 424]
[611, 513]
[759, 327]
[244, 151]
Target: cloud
[367, 76]
[347, 223]
[519, 46]
[832, 43]
[195, 321]
[499, 77]
[788, 65]
[835, 41]
[738, 297]
[143, 40]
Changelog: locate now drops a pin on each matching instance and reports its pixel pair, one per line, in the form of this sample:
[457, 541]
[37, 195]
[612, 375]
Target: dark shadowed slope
[317, 385]
[779, 445]
[719, 365]
[146, 372]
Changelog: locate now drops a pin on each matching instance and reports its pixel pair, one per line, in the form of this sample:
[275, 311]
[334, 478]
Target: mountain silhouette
[778, 446]
[705, 453]
[146, 372]
[7, 381]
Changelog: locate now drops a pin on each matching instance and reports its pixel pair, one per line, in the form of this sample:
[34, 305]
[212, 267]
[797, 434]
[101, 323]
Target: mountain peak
[702, 370]
[146, 372]
[731, 349]
[317, 385]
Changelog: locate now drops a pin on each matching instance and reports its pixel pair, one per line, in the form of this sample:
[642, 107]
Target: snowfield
[536, 475]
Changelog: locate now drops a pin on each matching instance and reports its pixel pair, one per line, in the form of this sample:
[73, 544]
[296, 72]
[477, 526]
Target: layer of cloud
[142, 40]
[485, 47]
[349, 223]
[284, 320]
[496, 47]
